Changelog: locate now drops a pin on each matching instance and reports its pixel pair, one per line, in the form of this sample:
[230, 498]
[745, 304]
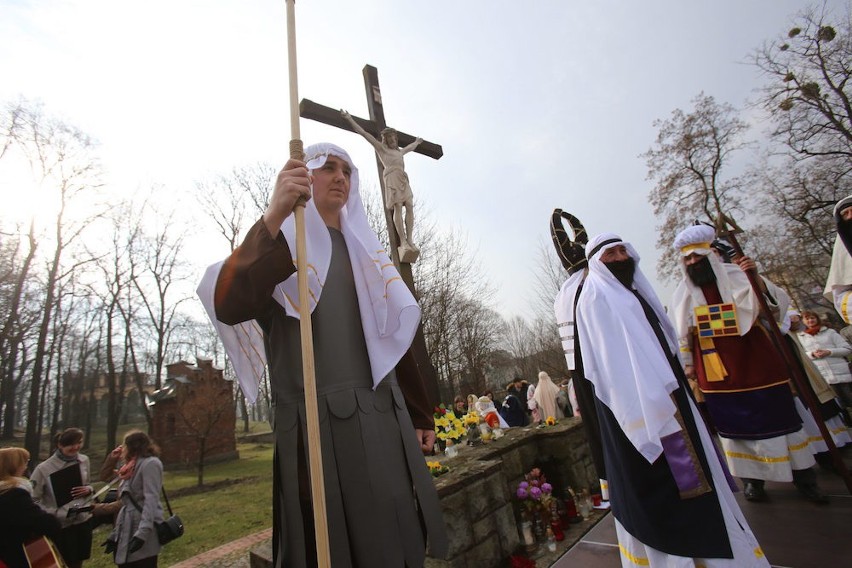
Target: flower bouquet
[448, 429]
[471, 422]
[437, 468]
[549, 421]
[535, 494]
[537, 505]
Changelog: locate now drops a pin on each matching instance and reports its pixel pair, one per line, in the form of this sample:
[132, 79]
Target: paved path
[234, 554]
[793, 532]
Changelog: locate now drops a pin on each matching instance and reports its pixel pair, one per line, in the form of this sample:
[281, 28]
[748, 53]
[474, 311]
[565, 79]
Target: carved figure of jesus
[398, 195]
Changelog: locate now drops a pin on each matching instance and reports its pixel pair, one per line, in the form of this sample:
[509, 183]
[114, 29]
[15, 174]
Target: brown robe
[380, 499]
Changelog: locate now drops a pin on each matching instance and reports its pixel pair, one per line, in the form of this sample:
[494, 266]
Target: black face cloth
[844, 229]
[701, 272]
[623, 270]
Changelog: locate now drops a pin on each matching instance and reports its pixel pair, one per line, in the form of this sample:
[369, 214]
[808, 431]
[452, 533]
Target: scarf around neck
[68, 459]
[126, 471]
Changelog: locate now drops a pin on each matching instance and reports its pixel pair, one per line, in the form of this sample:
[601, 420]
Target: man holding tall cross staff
[374, 420]
[366, 397]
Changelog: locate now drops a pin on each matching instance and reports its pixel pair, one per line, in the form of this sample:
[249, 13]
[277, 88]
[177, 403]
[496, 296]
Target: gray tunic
[380, 498]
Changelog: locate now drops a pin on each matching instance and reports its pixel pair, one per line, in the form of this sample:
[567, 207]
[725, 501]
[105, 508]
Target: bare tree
[809, 166]
[518, 340]
[687, 164]
[476, 332]
[163, 273]
[449, 284]
[203, 406]
[807, 93]
[549, 277]
[234, 202]
[117, 268]
[64, 165]
[15, 286]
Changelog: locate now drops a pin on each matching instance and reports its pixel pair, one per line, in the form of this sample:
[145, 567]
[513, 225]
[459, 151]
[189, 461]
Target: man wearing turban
[669, 490]
[744, 379]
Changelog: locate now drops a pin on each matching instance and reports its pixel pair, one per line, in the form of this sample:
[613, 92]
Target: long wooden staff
[799, 378]
[314, 448]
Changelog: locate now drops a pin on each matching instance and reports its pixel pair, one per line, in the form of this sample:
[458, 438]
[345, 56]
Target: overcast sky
[537, 104]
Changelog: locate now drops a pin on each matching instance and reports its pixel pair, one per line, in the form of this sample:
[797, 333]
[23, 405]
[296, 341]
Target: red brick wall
[202, 407]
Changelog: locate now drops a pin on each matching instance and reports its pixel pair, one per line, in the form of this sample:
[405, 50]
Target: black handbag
[172, 527]
[169, 529]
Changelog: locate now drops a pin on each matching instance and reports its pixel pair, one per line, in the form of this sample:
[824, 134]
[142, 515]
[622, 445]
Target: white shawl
[545, 396]
[389, 313]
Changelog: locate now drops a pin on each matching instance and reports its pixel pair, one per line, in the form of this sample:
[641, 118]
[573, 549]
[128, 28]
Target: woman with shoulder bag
[134, 541]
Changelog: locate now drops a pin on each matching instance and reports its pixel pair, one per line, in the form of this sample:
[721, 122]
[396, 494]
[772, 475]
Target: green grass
[96, 446]
[217, 516]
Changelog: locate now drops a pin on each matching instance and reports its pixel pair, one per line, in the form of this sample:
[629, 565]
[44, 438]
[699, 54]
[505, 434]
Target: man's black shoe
[754, 492]
[813, 493]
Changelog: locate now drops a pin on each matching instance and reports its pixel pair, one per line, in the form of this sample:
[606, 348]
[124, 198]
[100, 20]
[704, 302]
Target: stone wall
[478, 493]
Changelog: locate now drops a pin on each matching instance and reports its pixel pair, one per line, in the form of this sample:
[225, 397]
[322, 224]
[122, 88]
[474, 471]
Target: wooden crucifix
[403, 252]
[374, 126]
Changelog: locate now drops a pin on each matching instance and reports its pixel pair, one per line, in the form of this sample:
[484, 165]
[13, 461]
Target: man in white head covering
[669, 489]
[742, 375]
[364, 319]
[838, 286]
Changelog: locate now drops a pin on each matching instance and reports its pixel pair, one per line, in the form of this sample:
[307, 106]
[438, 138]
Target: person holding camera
[133, 540]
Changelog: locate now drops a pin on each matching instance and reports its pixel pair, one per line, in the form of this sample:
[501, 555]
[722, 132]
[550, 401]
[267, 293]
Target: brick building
[194, 412]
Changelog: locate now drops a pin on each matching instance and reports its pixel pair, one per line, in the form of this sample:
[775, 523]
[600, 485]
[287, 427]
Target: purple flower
[522, 493]
[523, 485]
[547, 488]
[535, 493]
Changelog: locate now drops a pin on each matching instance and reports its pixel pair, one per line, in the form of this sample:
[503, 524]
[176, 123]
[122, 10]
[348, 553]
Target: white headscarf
[732, 282]
[389, 313]
[545, 395]
[621, 354]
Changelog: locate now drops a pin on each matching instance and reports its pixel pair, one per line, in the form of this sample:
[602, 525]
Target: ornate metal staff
[722, 228]
[311, 409]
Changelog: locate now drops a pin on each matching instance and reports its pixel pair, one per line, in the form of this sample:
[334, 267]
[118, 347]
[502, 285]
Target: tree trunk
[244, 410]
[112, 402]
[202, 449]
[32, 441]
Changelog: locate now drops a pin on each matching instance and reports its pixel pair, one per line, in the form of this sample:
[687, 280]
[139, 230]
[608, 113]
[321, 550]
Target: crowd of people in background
[525, 403]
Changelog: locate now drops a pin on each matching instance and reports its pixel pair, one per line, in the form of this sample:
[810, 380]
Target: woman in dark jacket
[22, 518]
